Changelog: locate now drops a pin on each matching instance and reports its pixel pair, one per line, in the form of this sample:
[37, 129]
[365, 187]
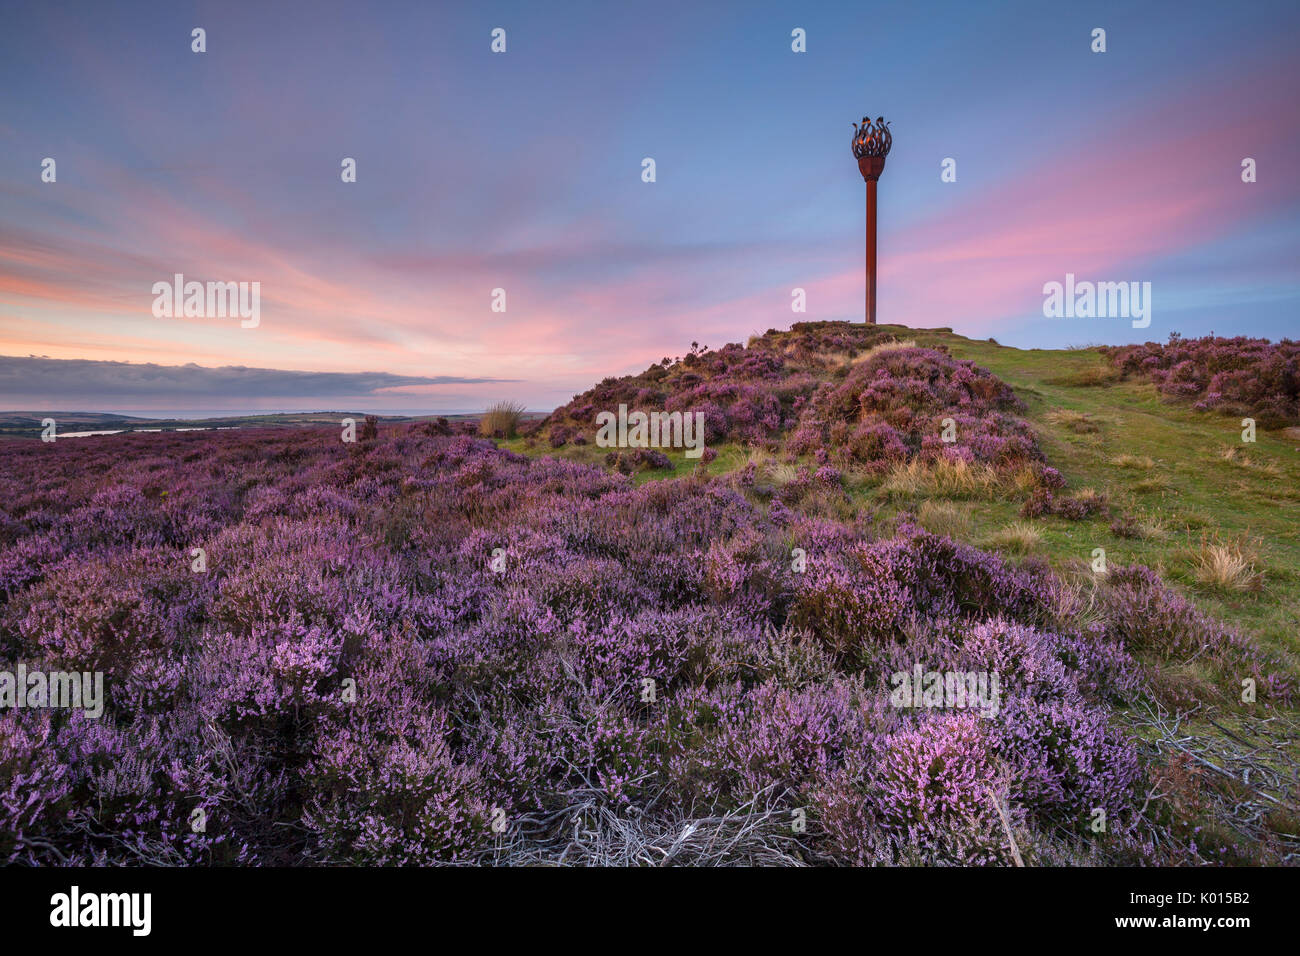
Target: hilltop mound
[854, 395]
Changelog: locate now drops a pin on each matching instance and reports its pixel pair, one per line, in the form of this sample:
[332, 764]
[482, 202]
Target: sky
[522, 171]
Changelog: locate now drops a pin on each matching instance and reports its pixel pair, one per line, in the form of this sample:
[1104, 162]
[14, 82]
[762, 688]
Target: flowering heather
[1044, 501]
[1154, 620]
[1238, 376]
[745, 394]
[410, 649]
[832, 389]
[891, 406]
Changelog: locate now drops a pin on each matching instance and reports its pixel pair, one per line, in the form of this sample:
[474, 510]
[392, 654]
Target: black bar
[943, 906]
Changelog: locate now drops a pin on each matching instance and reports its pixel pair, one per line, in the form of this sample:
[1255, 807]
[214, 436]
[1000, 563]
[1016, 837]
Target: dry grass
[1080, 423]
[1238, 457]
[1019, 537]
[1091, 497]
[1152, 484]
[890, 346]
[1134, 462]
[942, 479]
[501, 420]
[770, 469]
[1094, 376]
[588, 832]
[1152, 528]
[944, 518]
[836, 360]
[1026, 480]
[1226, 567]
[1132, 523]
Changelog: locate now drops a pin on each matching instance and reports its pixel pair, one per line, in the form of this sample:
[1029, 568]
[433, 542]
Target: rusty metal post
[871, 252]
[871, 144]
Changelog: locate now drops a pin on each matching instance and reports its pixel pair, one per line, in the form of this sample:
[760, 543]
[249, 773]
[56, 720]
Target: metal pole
[871, 144]
[871, 252]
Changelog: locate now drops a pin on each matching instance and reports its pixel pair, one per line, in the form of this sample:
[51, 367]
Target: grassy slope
[1189, 487]
[1198, 495]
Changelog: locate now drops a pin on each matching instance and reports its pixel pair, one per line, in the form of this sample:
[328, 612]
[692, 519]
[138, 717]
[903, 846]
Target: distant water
[198, 414]
[143, 431]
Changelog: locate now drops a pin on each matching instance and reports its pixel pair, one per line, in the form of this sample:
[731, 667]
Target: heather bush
[1153, 620]
[34, 782]
[930, 790]
[891, 406]
[1237, 376]
[638, 459]
[1044, 501]
[388, 790]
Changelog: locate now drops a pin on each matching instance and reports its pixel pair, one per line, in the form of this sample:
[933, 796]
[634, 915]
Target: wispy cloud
[65, 383]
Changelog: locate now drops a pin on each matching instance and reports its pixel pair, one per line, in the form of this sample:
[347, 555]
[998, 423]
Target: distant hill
[28, 424]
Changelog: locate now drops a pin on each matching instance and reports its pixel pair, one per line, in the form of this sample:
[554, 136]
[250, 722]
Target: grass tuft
[501, 420]
[944, 518]
[1081, 423]
[1134, 462]
[890, 346]
[1019, 537]
[1227, 567]
[945, 478]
